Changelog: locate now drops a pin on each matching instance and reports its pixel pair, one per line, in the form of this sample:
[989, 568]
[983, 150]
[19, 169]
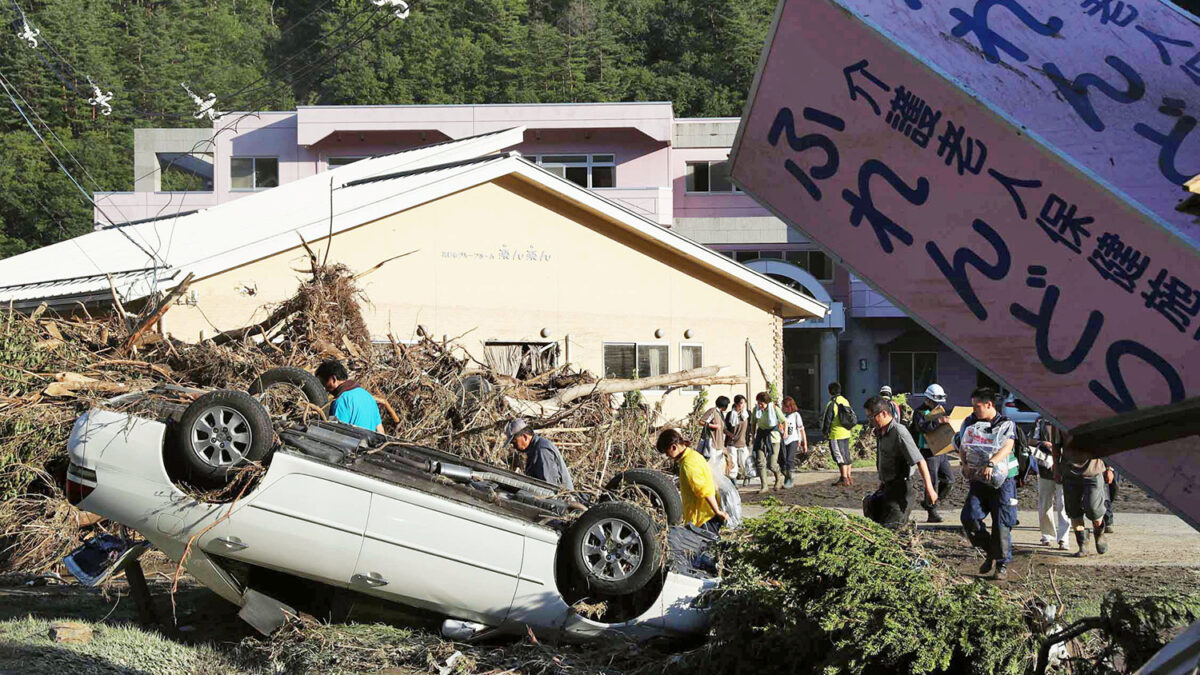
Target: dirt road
[1141, 539]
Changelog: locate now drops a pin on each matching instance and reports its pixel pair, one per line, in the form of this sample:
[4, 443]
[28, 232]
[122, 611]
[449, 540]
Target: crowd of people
[1075, 491]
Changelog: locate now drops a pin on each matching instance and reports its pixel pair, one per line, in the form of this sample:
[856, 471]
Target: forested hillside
[274, 54]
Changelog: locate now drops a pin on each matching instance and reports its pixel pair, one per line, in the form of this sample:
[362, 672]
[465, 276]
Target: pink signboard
[995, 241]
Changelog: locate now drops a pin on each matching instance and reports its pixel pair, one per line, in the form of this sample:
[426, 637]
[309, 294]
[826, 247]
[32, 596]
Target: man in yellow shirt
[696, 485]
[837, 433]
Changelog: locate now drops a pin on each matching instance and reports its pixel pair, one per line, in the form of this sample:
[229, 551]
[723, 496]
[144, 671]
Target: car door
[441, 555]
[299, 524]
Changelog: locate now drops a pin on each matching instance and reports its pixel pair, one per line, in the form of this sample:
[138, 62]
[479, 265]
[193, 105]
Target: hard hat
[934, 392]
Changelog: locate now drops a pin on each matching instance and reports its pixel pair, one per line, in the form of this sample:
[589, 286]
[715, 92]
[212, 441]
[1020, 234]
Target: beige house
[524, 268]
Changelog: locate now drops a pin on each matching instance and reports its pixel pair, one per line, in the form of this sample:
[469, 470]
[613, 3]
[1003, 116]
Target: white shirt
[794, 424]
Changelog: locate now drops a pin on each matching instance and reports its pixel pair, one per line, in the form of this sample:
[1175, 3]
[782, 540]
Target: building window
[335, 162]
[628, 360]
[185, 171]
[911, 372]
[691, 356]
[589, 171]
[521, 360]
[709, 177]
[254, 173]
[815, 263]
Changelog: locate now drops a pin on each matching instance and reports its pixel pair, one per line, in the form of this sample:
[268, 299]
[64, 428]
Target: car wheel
[656, 486]
[220, 431]
[303, 380]
[614, 548]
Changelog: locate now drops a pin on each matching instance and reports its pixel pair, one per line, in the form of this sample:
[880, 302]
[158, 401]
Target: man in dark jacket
[939, 465]
[543, 461]
[895, 458]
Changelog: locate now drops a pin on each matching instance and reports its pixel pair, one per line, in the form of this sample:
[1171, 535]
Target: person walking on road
[985, 446]
[1052, 514]
[885, 393]
[713, 435]
[737, 423]
[834, 427]
[768, 424]
[795, 443]
[1084, 492]
[896, 459]
[696, 484]
[939, 465]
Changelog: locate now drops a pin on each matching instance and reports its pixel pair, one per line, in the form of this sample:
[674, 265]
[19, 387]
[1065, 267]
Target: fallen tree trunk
[619, 386]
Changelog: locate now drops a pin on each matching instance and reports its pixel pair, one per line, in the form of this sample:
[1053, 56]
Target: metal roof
[259, 225]
[214, 239]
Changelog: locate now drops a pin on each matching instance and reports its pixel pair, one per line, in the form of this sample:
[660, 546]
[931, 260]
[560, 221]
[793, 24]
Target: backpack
[846, 416]
[1023, 453]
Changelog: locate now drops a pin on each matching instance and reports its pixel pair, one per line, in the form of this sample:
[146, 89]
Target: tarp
[1006, 172]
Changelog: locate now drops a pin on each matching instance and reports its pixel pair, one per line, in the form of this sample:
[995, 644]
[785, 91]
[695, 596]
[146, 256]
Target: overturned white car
[363, 513]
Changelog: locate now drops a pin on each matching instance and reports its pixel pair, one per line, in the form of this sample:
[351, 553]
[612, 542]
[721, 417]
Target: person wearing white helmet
[939, 466]
[885, 393]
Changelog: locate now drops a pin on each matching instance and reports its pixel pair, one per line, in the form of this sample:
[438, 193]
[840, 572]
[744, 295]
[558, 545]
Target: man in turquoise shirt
[351, 403]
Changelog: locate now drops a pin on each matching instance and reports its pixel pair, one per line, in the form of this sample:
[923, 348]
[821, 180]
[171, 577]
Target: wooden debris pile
[432, 393]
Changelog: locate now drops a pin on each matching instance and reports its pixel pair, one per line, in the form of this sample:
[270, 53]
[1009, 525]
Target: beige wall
[567, 270]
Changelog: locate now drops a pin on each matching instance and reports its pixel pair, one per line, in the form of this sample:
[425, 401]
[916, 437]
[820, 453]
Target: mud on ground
[1130, 497]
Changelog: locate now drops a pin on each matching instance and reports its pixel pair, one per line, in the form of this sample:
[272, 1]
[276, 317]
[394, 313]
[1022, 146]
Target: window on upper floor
[712, 176]
[589, 171]
[335, 162]
[815, 263]
[253, 173]
[185, 171]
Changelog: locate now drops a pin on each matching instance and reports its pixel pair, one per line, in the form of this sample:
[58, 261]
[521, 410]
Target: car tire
[219, 431]
[614, 548]
[313, 390]
[657, 485]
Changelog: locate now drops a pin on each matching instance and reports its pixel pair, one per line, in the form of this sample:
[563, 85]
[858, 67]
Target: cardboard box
[941, 439]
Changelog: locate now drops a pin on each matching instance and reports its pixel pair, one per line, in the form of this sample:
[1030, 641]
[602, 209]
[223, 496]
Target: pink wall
[641, 161]
[729, 205]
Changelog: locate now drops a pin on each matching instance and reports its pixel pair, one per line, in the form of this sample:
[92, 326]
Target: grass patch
[25, 647]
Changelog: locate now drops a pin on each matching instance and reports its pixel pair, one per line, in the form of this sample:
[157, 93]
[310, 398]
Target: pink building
[669, 170]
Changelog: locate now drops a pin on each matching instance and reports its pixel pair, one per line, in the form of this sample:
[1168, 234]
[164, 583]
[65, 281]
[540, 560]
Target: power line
[5, 84]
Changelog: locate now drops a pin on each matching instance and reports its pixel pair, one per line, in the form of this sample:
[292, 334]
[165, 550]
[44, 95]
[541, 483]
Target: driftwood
[618, 386]
[157, 313]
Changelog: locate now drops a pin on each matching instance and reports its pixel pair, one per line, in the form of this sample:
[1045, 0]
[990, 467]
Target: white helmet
[934, 392]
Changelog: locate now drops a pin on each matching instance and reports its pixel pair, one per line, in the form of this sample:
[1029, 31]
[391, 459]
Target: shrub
[813, 590]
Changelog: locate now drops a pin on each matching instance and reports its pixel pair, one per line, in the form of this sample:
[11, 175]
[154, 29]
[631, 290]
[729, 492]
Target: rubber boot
[762, 482]
[775, 476]
[934, 516]
[1101, 544]
[1081, 539]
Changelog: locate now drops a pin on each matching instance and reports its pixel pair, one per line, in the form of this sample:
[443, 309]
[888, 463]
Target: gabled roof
[260, 225]
[208, 240]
